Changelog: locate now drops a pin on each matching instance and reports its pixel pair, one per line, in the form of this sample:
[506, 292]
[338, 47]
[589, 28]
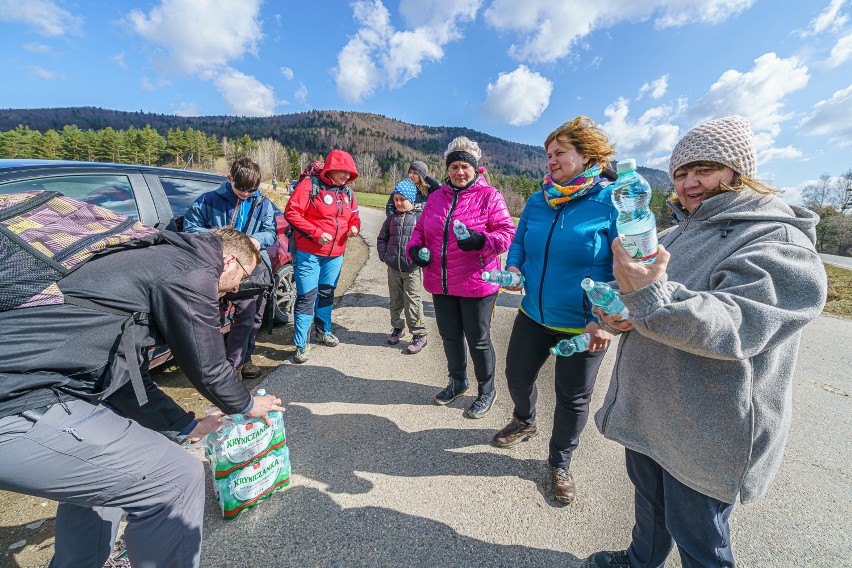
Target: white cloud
[551, 29]
[44, 15]
[831, 117]
[201, 35]
[149, 85]
[757, 94]
[301, 94]
[828, 20]
[518, 98]
[380, 56]
[118, 59]
[187, 109]
[287, 73]
[202, 38]
[841, 51]
[657, 88]
[245, 95]
[45, 74]
[645, 138]
[35, 47]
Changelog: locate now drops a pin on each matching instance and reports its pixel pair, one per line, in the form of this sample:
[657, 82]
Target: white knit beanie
[728, 141]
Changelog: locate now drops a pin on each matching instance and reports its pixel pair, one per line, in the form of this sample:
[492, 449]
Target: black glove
[475, 241]
[414, 253]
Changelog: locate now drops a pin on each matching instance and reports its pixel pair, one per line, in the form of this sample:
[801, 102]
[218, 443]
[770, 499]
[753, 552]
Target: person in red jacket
[324, 214]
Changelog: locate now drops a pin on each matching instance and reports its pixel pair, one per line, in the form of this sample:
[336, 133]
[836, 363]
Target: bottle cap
[625, 166]
[587, 284]
[261, 392]
[486, 276]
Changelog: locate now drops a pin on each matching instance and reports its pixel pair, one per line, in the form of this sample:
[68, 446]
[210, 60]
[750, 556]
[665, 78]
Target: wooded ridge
[315, 132]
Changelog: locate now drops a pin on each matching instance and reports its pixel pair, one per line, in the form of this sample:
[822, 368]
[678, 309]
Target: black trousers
[529, 348]
[461, 319]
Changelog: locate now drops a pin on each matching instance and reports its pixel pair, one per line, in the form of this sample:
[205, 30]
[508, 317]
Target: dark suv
[158, 197]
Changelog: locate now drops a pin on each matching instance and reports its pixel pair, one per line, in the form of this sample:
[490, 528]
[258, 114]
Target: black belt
[35, 413]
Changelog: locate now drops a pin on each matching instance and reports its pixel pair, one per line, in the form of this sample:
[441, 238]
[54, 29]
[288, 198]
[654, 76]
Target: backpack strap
[127, 346]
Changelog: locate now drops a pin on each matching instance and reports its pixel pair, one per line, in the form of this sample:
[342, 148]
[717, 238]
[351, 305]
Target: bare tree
[304, 160]
[272, 157]
[817, 195]
[368, 170]
[395, 173]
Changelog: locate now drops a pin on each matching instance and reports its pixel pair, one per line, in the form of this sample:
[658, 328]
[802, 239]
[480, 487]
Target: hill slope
[314, 132]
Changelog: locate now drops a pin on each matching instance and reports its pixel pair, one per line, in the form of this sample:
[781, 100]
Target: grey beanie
[728, 141]
[419, 168]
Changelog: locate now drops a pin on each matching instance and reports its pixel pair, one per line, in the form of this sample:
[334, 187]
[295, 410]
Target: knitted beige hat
[728, 141]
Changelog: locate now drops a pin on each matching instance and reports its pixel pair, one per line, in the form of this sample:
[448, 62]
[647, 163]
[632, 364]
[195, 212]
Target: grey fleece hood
[749, 205]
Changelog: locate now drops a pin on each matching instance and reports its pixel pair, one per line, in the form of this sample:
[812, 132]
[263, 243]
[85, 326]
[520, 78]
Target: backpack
[45, 236]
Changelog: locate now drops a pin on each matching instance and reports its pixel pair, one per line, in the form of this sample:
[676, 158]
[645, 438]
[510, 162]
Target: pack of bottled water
[249, 461]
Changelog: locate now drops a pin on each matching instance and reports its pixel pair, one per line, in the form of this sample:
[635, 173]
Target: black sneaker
[481, 405]
[608, 559]
[250, 370]
[514, 433]
[451, 392]
[395, 336]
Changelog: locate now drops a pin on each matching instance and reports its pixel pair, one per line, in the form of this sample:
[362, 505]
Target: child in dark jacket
[405, 279]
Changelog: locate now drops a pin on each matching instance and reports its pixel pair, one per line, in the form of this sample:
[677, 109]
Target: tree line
[830, 197]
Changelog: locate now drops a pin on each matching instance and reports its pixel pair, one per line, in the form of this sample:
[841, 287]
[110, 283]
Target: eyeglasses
[243, 267]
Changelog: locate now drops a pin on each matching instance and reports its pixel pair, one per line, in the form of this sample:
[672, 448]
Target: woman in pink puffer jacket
[463, 302]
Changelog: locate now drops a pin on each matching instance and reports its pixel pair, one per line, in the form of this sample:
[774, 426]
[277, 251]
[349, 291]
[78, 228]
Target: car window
[111, 191]
[182, 192]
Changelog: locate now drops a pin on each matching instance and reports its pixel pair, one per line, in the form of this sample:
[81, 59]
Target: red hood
[339, 160]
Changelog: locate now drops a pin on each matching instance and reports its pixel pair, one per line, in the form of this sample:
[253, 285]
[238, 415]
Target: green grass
[839, 291]
[377, 200]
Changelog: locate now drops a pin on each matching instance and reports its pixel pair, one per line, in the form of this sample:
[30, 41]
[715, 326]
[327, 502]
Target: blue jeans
[316, 278]
[668, 513]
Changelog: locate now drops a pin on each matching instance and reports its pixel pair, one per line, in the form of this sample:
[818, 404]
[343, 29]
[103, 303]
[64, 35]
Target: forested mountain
[315, 132]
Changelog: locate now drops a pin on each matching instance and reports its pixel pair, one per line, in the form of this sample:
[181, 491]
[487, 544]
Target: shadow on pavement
[365, 536]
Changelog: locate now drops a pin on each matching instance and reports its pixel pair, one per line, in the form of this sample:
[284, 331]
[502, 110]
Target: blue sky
[646, 70]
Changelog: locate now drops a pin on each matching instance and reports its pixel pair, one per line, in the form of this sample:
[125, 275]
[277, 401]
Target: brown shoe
[514, 433]
[564, 488]
[250, 371]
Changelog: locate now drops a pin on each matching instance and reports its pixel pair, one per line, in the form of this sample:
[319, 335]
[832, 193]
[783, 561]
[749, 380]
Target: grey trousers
[405, 289]
[98, 464]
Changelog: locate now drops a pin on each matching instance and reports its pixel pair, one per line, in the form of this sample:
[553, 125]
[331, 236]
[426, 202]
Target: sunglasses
[244, 269]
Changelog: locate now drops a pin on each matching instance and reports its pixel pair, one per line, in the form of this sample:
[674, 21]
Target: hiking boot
[395, 336]
[418, 343]
[327, 338]
[481, 405]
[514, 433]
[250, 370]
[301, 355]
[451, 392]
[608, 559]
[564, 488]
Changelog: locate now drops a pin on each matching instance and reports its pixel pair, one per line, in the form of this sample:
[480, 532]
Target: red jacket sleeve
[355, 217]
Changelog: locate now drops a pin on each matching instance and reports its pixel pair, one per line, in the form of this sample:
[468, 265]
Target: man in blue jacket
[239, 204]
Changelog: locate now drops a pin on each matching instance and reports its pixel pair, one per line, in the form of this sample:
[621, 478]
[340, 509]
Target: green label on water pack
[247, 486]
[238, 443]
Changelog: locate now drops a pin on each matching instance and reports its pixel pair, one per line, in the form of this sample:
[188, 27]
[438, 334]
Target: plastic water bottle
[603, 296]
[567, 347]
[424, 254]
[504, 278]
[631, 195]
[460, 230]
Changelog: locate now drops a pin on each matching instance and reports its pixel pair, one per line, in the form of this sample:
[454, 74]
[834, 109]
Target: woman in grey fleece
[701, 393]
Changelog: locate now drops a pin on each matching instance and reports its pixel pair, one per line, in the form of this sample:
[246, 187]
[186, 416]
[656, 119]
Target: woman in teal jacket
[564, 235]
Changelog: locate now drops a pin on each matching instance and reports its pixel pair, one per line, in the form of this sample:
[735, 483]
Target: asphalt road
[844, 261]
[383, 477]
